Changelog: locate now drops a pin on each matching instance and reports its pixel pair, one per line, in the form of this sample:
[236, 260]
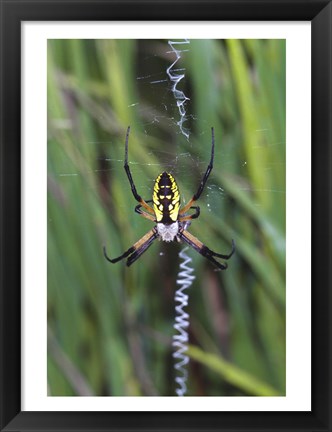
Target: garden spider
[171, 221]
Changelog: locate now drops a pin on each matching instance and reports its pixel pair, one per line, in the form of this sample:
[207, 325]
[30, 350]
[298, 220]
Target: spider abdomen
[166, 199]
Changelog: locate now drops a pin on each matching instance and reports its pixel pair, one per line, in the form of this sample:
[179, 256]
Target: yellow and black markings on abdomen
[166, 199]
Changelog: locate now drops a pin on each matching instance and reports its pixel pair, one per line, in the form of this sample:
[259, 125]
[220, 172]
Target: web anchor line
[175, 78]
[180, 340]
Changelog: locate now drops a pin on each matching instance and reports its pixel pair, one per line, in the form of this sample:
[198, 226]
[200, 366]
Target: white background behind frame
[34, 212]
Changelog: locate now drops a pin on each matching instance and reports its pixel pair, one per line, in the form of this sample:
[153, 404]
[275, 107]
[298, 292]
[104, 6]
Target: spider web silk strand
[175, 78]
[180, 340]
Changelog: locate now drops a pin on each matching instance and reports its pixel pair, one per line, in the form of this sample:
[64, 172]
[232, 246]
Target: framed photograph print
[165, 215]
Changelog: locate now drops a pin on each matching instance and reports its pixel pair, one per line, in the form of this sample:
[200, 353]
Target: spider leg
[139, 251]
[192, 216]
[130, 178]
[226, 257]
[144, 214]
[124, 255]
[136, 250]
[203, 181]
[204, 250]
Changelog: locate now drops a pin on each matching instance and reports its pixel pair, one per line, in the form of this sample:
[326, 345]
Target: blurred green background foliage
[109, 326]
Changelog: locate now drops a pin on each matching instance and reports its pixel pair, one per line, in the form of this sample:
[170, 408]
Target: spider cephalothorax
[171, 220]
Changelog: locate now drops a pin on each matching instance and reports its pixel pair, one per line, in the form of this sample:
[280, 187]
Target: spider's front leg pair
[138, 248]
[203, 250]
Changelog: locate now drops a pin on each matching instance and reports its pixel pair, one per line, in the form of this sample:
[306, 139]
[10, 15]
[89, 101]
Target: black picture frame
[12, 14]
